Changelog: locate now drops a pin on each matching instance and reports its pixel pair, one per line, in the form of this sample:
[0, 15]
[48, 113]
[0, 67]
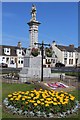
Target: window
[12, 62]
[65, 60]
[53, 60]
[3, 57]
[21, 61]
[19, 52]
[7, 59]
[7, 49]
[70, 54]
[46, 61]
[65, 54]
[70, 61]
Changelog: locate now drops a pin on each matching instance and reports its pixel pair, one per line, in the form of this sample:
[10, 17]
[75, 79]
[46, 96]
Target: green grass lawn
[9, 88]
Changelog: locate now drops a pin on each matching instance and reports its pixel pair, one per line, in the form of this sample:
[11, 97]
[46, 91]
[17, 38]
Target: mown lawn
[9, 88]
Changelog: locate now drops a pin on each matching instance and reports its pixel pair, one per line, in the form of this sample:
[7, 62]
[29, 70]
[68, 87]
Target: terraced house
[13, 56]
[67, 55]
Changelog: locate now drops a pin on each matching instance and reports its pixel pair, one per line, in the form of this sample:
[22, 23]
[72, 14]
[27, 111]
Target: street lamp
[42, 53]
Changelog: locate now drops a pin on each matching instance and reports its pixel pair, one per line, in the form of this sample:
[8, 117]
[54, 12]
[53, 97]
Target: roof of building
[78, 48]
[69, 48]
[12, 50]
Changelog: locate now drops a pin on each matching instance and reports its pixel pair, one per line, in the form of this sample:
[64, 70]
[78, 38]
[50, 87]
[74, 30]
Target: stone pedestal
[32, 70]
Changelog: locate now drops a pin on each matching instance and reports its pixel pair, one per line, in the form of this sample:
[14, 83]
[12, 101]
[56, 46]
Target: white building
[67, 55]
[13, 56]
[79, 56]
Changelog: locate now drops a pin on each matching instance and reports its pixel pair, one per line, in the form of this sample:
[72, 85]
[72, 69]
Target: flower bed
[47, 103]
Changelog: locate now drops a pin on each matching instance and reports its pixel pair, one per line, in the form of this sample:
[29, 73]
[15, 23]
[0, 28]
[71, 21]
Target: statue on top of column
[33, 13]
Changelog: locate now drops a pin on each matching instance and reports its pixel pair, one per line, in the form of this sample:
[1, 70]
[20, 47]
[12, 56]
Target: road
[8, 70]
[54, 69]
[65, 69]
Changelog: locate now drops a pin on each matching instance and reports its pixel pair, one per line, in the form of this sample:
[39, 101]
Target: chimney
[72, 46]
[54, 43]
[19, 45]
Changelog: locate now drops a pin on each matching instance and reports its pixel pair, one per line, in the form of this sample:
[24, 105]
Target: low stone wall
[25, 78]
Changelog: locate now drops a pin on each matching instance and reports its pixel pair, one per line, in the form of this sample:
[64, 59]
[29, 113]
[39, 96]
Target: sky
[59, 22]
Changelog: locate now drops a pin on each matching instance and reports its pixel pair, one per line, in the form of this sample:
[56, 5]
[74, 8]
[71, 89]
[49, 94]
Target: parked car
[59, 65]
[3, 65]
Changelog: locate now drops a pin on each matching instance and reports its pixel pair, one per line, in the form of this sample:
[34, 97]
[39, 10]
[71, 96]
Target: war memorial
[43, 97]
[33, 65]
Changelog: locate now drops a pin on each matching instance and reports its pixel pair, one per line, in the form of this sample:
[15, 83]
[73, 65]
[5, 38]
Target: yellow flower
[66, 100]
[29, 97]
[48, 99]
[63, 103]
[62, 95]
[42, 103]
[19, 96]
[35, 104]
[32, 101]
[22, 92]
[23, 98]
[9, 95]
[59, 103]
[41, 99]
[26, 102]
[38, 102]
[72, 98]
[55, 99]
[14, 93]
[32, 95]
[27, 92]
[14, 96]
[35, 91]
[54, 103]
[41, 89]
[17, 99]
[11, 98]
[46, 105]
